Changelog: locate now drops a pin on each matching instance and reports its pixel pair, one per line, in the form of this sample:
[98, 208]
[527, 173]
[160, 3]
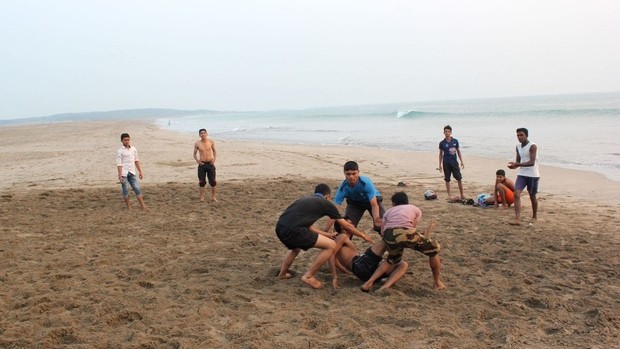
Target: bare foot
[213, 199]
[285, 276]
[312, 281]
[532, 221]
[202, 198]
[144, 208]
[365, 288]
[515, 223]
[439, 286]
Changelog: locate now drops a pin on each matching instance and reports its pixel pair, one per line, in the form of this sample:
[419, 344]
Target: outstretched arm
[353, 230]
[376, 213]
[320, 232]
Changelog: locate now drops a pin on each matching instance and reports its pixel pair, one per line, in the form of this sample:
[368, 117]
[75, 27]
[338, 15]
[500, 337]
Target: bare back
[508, 183]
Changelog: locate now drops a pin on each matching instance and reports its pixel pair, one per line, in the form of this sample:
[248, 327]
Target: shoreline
[81, 154]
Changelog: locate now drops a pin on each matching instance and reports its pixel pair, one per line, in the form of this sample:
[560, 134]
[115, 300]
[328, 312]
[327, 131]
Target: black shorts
[298, 237]
[206, 171]
[450, 168]
[355, 210]
[365, 265]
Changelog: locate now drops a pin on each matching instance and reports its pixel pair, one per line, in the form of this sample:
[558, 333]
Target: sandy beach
[78, 270]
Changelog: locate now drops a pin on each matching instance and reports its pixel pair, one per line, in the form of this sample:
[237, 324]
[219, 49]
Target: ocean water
[572, 131]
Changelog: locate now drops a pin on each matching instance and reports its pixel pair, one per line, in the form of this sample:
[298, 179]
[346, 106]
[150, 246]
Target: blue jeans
[132, 180]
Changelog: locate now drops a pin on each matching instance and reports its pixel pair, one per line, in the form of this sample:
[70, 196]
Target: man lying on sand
[363, 265]
[296, 231]
[399, 232]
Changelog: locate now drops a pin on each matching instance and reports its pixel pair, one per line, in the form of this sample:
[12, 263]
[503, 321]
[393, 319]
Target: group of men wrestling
[397, 226]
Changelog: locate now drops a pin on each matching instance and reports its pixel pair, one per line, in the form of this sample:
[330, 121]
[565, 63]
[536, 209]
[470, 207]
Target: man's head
[522, 134]
[202, 132]
[125, 139]
[351, 172]
[323, 189]
[447, 131]
[500, 175]
[400, 198]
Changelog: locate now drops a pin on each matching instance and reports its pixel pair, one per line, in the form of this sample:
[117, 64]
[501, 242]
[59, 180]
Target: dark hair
[202, 129]
[322, 189]
[524, 130]
[447, 127]
[400, 198]
[125, 135]
[500, 172]
[351, 166]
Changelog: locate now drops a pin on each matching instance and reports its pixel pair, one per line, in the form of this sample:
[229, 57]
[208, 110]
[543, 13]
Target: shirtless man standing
[205, 155]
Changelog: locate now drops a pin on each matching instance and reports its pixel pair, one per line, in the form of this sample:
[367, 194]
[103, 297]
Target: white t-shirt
[127, 158]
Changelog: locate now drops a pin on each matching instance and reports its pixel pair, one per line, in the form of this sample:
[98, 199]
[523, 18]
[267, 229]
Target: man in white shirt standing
[127, 162]
[528, 175]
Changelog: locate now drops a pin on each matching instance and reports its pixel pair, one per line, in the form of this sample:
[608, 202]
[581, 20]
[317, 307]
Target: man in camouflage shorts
[398, 230]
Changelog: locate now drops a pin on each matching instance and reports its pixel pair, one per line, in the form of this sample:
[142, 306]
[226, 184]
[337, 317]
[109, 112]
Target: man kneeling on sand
[398, 230]
[296, 231]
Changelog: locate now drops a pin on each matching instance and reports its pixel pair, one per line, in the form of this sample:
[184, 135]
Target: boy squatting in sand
[399, 232]
[503, 192]
[205, 148]
[296, 231]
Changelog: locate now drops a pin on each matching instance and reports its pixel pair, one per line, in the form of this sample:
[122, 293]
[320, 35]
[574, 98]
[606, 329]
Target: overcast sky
[74, 56]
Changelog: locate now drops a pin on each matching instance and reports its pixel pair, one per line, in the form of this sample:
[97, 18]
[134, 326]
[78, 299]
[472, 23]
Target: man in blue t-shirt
[361, 196]
[448, 163]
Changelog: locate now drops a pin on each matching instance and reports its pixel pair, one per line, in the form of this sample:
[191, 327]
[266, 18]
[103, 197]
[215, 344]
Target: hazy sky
[73, 56]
